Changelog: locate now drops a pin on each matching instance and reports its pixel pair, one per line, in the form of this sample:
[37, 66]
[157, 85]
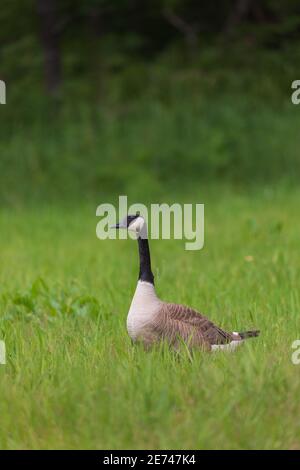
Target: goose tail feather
[249, 334]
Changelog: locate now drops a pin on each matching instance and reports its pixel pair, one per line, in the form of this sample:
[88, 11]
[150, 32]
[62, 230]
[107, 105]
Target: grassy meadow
[165, 102]
[74, 380]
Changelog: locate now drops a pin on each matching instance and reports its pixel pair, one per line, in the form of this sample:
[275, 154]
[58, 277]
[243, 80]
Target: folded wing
[176, 322]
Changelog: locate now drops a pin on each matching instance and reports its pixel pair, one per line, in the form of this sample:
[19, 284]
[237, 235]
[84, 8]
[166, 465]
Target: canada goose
[150, 319]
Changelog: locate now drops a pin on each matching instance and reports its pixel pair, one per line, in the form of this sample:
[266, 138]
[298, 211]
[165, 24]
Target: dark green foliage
[40, 303]
[150, 91]
[96, 152]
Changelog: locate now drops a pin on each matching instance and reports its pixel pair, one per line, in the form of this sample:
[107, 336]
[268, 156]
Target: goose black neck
[145, 261]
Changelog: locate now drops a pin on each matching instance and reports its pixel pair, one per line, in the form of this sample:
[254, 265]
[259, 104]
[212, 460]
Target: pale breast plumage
[143, 309]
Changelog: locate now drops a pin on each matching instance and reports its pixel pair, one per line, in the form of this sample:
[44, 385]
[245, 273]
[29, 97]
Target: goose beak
[118, 226]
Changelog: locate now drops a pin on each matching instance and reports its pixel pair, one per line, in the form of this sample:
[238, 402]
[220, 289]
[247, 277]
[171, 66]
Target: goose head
[133, 223]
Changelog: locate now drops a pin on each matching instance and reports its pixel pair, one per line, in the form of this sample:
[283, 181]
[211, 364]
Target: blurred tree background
[102, 93]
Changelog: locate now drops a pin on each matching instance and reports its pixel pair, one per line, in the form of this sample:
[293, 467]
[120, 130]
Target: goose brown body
[151, 320]
[178, 322]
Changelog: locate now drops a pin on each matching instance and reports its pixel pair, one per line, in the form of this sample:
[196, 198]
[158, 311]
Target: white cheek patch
[136, 224]
[138, 227]
[132, 227]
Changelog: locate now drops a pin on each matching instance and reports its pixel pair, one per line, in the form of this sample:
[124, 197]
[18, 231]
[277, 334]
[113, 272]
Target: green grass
[74, 380]
[162, 132]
